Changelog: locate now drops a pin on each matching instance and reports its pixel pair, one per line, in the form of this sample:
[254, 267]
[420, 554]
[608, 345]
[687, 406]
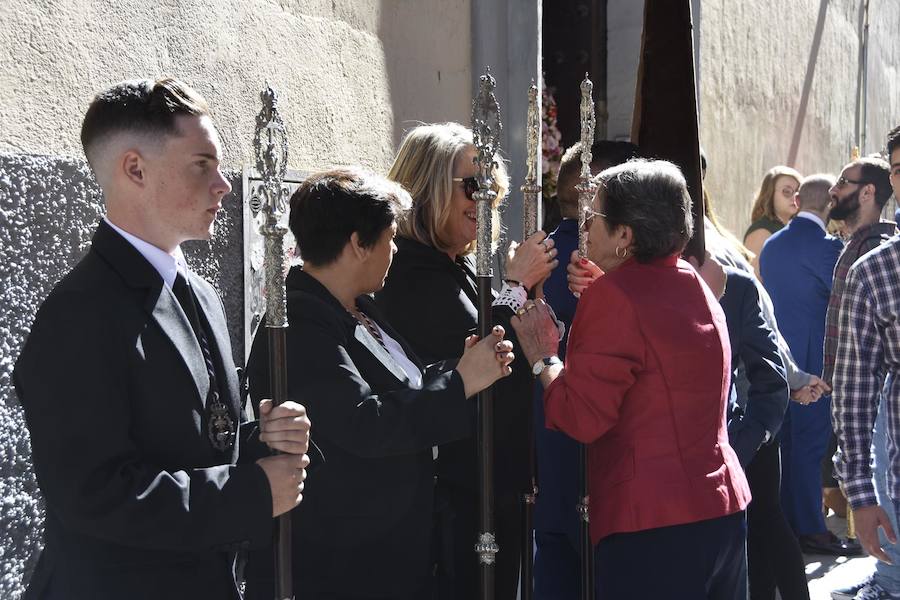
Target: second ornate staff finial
[585, 187]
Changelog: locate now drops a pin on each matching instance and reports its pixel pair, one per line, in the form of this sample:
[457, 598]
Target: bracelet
[515, 283]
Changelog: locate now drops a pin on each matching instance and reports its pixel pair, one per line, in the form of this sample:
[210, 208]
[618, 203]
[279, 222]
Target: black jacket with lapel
[364, 526]
[113, 384]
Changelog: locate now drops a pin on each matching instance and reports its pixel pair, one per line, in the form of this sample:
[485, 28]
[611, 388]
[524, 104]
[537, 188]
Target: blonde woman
[430, 297]
[773, 207]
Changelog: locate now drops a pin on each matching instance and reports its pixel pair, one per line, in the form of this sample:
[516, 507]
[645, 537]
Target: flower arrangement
[550, 142]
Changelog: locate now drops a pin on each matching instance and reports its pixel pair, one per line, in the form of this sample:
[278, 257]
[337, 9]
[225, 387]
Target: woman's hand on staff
[532, 261]
[485, 361]
[581, 273]
[536, 331]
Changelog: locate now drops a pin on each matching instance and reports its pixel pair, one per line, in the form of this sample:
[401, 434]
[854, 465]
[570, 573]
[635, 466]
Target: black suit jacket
[753, 345]
[112, 381]
[364, 526]
[432, 301]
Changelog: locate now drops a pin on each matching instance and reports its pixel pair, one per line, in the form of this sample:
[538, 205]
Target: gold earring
[624, 252]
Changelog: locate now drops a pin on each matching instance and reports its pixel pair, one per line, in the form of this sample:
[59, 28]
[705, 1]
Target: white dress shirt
[168, 265]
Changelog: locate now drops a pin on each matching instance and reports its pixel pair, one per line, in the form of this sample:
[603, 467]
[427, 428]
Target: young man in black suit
[128, 384]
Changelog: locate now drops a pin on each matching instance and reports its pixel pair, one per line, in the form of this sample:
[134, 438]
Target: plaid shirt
[863, 240]
[868, 353]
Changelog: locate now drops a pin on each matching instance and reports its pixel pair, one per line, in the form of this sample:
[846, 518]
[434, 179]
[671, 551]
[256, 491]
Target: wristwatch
[538, 367]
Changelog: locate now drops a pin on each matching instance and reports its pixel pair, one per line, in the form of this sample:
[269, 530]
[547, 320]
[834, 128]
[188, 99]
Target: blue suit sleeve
[756, 347]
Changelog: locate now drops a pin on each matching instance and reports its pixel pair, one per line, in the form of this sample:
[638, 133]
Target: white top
[814, 218]
[168, 265]
[396, 351]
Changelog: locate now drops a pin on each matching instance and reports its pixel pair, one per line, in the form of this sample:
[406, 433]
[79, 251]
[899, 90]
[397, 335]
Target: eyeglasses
[842, 181]
[470, 185]
[589, 216]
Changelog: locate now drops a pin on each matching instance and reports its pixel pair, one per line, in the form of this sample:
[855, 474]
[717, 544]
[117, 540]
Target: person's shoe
[849, 592]
[828, 543]
[873, 591]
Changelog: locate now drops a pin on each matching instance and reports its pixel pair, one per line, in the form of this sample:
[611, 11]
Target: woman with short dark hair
[364, 529]
[645, 384]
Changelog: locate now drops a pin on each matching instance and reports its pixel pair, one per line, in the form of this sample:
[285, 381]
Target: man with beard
[858, 198]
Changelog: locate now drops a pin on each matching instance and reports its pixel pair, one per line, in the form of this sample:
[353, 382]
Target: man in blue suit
[557, 565]
[797, 267]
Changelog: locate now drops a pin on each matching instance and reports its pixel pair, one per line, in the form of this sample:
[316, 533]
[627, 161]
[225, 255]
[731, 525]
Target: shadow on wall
[807, 84]
[49, 208]
[428, 61]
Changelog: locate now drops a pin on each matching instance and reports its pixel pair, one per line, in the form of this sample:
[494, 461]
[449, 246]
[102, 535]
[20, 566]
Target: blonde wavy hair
[424, 166]
[764, 203]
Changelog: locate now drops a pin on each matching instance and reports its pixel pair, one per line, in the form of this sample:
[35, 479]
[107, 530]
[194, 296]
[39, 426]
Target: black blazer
[112, 381]
[753, 346]
[364, 526]
[432, 301]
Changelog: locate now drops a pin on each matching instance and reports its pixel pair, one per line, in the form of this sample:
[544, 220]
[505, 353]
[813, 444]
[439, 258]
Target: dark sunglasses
[470, 185]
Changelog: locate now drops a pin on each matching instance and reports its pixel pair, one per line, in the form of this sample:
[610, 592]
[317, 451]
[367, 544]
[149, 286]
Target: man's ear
[869, 191]
[134, 168]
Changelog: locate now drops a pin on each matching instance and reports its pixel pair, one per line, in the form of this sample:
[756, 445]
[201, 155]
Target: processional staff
[486, 129]
[270, 147]
[586, 189]
[530, 190]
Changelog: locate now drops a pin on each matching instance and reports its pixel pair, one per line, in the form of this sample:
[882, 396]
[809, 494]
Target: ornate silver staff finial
[586, 187]
[486, 128]
[532, 188]
[270, 148]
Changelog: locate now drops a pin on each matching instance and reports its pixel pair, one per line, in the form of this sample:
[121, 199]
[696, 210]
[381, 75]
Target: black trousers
[774, 558]
[706, 560]
[457, 576]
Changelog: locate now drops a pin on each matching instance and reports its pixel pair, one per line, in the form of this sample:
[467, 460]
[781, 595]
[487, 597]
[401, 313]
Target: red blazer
[645, 384]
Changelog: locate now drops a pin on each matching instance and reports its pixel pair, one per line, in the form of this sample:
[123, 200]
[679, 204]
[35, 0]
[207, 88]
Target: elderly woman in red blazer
[645, 383]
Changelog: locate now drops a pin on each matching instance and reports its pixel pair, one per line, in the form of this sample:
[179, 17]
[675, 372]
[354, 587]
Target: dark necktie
[220, 425]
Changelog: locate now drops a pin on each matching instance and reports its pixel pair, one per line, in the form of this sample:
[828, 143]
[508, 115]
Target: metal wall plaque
[254, 248]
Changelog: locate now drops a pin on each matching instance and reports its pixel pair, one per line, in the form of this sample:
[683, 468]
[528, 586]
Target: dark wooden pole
[666, 121]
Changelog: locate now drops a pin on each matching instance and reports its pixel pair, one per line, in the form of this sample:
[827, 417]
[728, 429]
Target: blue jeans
[887, 576]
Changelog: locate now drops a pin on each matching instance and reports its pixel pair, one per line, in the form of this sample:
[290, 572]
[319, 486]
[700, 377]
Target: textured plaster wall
[324, 57]
[776, 87]
[49, 207]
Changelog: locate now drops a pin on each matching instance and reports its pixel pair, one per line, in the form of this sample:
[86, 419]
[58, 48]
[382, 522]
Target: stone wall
[776, 87]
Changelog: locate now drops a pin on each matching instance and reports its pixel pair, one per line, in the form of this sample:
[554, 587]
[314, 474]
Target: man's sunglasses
[470, 185]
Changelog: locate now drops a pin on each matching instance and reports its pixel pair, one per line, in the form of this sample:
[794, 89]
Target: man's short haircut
[604, 154]
[331, 205]
[142, 107]
[893, 141]
[651, 197]
[877, 172]
[813, 192]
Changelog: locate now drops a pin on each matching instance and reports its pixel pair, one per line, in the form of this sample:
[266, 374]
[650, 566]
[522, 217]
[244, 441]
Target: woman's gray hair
[651, 197]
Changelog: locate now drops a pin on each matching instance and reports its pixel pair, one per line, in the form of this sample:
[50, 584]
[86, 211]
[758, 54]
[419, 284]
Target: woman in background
[773, 207]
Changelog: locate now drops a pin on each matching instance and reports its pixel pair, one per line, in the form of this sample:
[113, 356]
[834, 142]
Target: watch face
[538, 367]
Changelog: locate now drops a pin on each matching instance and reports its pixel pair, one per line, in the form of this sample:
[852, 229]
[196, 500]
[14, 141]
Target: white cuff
[513, 297]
